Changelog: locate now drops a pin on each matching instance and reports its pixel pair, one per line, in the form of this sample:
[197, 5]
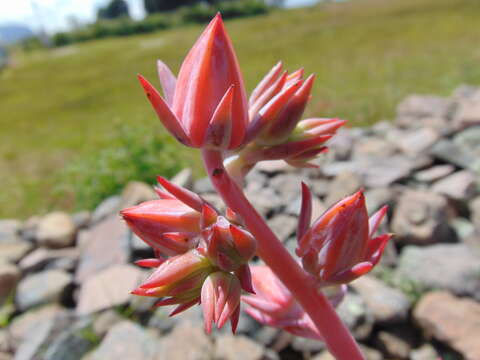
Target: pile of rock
[65, 279]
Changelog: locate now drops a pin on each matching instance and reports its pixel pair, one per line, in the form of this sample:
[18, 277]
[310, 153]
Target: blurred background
[71, 109]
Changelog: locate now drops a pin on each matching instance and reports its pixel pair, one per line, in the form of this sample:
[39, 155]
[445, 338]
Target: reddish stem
[337, 337]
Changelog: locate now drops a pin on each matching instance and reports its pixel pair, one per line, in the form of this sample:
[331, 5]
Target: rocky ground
[65, 279]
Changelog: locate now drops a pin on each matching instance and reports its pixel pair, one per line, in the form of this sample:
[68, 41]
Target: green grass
[60, 106]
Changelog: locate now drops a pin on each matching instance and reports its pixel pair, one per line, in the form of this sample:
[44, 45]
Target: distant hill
[12, 33]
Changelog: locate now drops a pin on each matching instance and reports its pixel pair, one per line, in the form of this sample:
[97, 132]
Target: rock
[104, 290]
[105, 321]
[344, 184]
[318, 207]
[273, 167]
[463, 228]
[161, 320]
[266, 200]
[35, 343]
[416, 142]
[71, 344]
[425, 352]
[13, 252]
[203, 185]
[137, 244]
[42, 257]
[393, 345]
[320, 186]
[9, 231]
[422, 106]
[458, 264]
[453, 153]
[421, 217]
[81, 219]
[266, 335]
[356, 315]
[56, 230]
[373, 147]
[460, 186]
[385, 171]
[434, 173]
[287, 185]
[452, 320]
[127, 340]
[9, 276]
[183, 178]
[283, 226]
[136, 192]
[341, 144]
[370, 354]
[199, 345]
[475, 211]
[103, 245]
[5, 342]
[27, 323]
[231, 347]
[387, 304]
[378, 197]
[41, 288]
[109, 206]
[5, 356]
[468, 111]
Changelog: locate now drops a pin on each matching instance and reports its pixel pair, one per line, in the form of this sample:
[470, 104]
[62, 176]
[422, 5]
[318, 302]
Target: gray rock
[230, 347]
[454, 321]
[5, 356]
[385, 171]
[373, 147]
[104, 290]
[378, 197]
[70, 344]
[266, 200]
[283, 226]
[356, 315]
[199, 345]
[41, 288]
[320, 186]
[56, 230]
[453, 153]
[215, 200]
[341, 144]
[137, 244]
[9, 231]
[421, 217]
[183, 178]
[434, 173]
[29, 228]
[5, 342]
[458, 264]
[344, 184]
[461, 186]
[103, 245]
[9, 276]
[161, 320]
[272, 167]
[13, 252]
[387, 304]
[287, 185]
[266, 335]
[81, 219]
[127, 340]
[136, 192]
[475, 212]
[27, 323]
[105, 321]
[468, 111]
[42, 257]
[370, 354]
[203, 185]
[463, 228]
[35, 343]
[422, 106]
[108, 207]
[415, 142]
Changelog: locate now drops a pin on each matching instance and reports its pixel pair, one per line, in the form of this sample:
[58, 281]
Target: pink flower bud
[339, 246]
[220, 297]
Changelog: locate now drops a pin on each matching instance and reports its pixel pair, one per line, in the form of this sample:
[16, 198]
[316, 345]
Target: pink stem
[337, 337]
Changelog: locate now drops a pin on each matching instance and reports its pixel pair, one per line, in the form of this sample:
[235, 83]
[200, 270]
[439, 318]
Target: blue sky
[55, 14]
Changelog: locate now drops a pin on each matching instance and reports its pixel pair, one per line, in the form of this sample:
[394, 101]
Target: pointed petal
[208, 304]
[186, 196]
[167, 80]
[149, 263]
[182, 307]
[245, 276]
[305, 216]
[167, 117]
[266, 82]
[209, 69]
[376, 247]
[376, 219]
[266, 96]
[244, 242]
[209, 216]
[234, 319]
[219, 129]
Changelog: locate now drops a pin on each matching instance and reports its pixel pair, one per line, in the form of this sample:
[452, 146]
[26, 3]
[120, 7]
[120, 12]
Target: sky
[56, 15]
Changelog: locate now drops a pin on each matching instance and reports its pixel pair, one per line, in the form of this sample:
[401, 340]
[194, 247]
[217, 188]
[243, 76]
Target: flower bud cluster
[201, 256]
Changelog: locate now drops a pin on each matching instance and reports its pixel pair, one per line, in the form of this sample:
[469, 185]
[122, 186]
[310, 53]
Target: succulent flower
[207, 104]
[274, 305]
[340, 246]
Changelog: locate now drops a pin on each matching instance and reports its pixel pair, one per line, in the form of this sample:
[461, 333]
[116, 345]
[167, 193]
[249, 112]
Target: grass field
[59, 106]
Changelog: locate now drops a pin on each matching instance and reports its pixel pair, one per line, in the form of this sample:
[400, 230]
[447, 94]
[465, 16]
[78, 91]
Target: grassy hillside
[61, 105]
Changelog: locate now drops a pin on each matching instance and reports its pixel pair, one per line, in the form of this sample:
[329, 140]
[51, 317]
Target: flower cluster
[201, 256]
